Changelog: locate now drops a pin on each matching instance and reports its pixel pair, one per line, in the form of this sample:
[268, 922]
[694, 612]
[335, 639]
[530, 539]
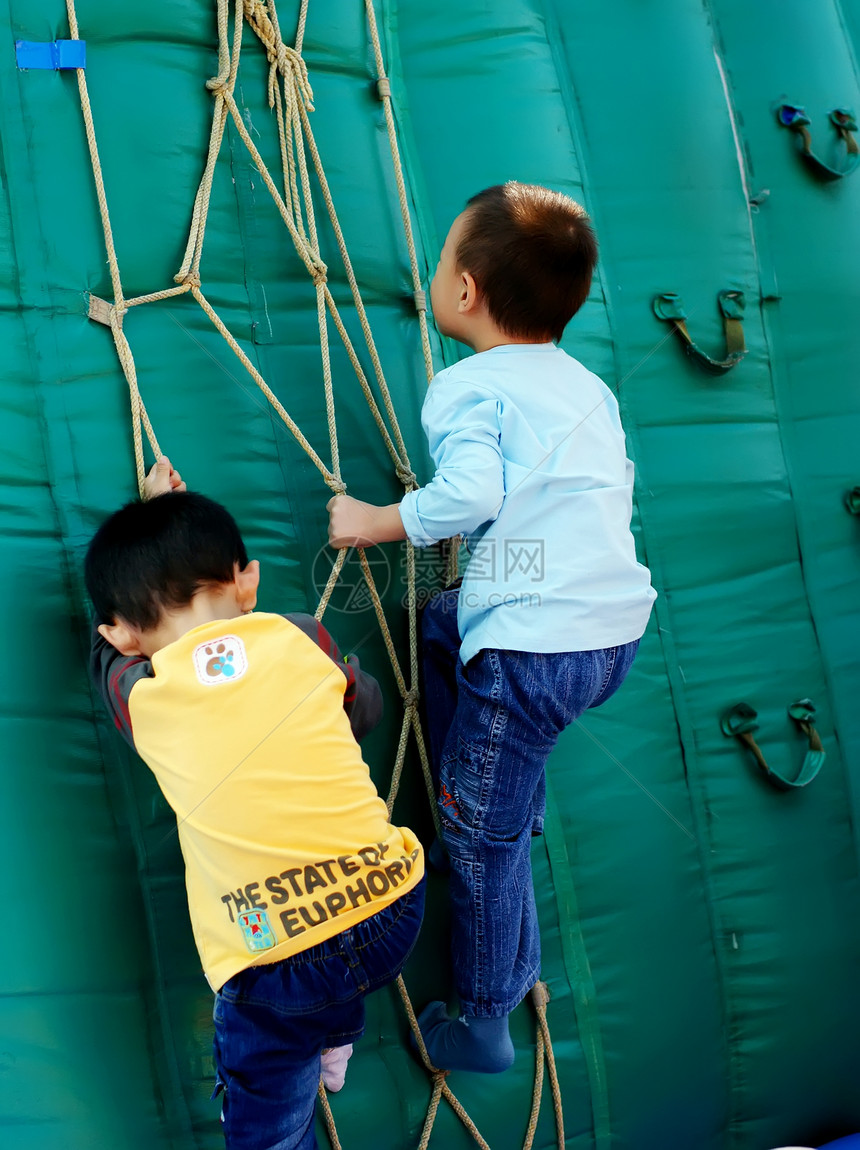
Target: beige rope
[330, 585]
[292, 102]
[333, 482]
[300, 30]
[384, 88]
[89, 127]
[540, 998]
[328, 1117]
[297, 129]
[138, 411]
[228, 67]
[155, 296]
[441, 1089]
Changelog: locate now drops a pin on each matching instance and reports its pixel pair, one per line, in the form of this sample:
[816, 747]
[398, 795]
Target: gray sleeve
[113, 677]
[362, 699]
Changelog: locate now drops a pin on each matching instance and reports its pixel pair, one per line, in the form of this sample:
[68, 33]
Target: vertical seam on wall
[771, 322]
[662, 610]
[578, 969]
[736, 1057]
[296, 470]
[849, 39]
[848, 780]
[417, 194]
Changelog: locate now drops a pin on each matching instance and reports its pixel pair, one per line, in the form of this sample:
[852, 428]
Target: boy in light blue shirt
[531, 466]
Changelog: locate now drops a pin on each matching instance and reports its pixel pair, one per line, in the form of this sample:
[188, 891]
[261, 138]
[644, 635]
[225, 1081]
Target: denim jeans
[491, 726]
[272, 1023]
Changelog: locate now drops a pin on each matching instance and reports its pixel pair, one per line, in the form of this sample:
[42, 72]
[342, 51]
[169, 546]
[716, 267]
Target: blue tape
[53, 54]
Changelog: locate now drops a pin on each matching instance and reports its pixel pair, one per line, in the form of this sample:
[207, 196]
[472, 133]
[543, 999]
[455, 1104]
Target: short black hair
[151, 557]
[531, 252]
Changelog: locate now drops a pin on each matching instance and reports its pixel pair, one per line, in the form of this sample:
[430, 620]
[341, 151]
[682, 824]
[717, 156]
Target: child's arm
[362, 699]
[356, 524]
[113, 677]
[462, 421]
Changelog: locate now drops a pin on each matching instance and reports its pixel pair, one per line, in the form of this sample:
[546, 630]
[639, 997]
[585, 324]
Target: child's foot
[480, 1044]
[333, 1067]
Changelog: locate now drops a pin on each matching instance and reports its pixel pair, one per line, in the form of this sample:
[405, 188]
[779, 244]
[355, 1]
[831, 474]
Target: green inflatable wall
[700, 924]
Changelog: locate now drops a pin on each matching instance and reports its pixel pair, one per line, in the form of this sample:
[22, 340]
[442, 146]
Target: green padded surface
[700, 928]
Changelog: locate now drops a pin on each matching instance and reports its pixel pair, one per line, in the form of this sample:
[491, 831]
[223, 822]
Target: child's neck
[207, 606]
[483, 335]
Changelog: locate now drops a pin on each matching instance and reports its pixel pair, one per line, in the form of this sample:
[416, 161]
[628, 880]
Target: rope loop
[217, 86]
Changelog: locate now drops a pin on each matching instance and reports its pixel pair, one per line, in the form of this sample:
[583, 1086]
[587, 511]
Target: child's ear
[247, 582]
[122, 636]
[468, 293]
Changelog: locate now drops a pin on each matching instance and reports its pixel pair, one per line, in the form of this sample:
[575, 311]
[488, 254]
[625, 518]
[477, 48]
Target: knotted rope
[290, 95]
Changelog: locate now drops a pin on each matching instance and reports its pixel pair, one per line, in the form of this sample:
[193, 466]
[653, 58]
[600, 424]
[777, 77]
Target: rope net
[290, 97]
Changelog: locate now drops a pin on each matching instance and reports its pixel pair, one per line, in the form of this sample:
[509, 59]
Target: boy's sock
[333, 1067]
[480, 1044]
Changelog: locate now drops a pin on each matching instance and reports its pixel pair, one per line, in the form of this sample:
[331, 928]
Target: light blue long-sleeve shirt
[531, 465]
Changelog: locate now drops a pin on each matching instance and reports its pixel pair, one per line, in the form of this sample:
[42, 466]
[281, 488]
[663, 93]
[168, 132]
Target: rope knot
[292, 66]
[406, 475]
[336, 485]
[439, 1076]
[217, 86]
[410, 698]
[540, 995]
[192, 279]
[319, 274]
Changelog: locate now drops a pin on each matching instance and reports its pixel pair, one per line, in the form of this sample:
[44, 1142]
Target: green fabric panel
[815, 276]
[720, 532]
[716, 918]
[612, 867]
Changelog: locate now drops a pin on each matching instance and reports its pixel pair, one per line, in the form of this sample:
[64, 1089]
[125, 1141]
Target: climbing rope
[290, 96]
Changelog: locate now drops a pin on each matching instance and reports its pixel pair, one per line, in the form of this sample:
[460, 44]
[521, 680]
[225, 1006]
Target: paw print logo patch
[221, 660]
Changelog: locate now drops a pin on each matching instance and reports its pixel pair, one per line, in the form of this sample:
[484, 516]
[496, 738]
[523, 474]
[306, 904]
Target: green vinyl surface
[701, 935]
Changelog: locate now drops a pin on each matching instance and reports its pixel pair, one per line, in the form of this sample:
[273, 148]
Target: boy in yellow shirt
[303, 897]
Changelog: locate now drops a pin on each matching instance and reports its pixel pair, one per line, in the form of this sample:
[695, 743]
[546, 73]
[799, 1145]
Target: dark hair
[152, 557]
[531, 253]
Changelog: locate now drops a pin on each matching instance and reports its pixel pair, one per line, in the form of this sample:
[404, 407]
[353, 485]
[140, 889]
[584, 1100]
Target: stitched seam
[610, 667]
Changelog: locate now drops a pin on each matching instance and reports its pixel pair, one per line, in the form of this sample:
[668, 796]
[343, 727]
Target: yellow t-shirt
[285, 840]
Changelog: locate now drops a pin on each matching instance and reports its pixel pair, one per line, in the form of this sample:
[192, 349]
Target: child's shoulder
[526, 377]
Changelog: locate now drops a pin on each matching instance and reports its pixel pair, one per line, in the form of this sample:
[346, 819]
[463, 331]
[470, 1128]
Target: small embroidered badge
[221, 660]
[255, 927]
[449, 803]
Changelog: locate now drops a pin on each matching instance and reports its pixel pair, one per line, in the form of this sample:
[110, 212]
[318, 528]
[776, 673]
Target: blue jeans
[491, 727]
[272, 1023]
